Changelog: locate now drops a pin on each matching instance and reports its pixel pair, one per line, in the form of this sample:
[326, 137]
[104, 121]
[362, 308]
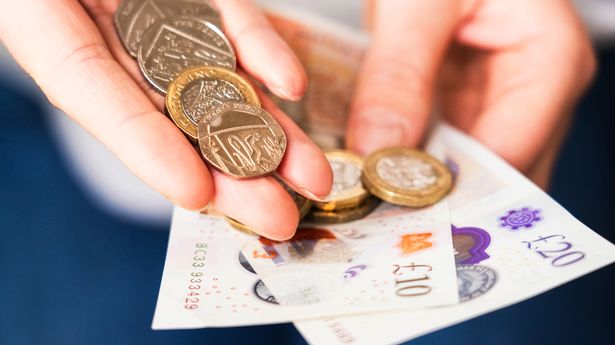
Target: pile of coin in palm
[184, 54]
[399, 176]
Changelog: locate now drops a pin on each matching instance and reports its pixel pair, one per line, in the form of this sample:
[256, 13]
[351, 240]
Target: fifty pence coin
[344, 216]
[347, 190]
[197, 91]
[406, 177]
[241, 140]
[174, 45]
[134, 17]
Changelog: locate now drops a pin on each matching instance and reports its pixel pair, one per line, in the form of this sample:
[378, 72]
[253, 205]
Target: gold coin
[239, 226]
[343, 216]
[406, 177]
[347, 190]
[241, 140]
[197, 91]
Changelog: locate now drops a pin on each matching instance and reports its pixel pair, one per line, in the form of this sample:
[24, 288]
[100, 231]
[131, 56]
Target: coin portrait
[174, 45]
[241, 140]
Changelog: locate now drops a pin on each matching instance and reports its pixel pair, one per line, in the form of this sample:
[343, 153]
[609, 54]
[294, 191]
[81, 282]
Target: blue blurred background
[71, 273]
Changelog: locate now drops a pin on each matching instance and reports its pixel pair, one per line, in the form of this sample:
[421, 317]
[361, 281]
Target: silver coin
[134, 17]
[174, 45]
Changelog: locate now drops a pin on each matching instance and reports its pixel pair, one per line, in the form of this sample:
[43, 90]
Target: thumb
[393, 98]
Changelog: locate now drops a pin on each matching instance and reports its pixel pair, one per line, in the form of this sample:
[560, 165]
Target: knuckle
[79, 58]
[74, 61]
[252, 30]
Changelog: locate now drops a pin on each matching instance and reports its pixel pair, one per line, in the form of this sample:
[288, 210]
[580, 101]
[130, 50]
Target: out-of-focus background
[82, 242]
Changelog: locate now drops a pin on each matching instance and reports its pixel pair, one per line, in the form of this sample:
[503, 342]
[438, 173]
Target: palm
[75, 55]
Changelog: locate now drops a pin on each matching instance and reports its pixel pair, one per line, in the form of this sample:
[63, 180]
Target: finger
[528, 94]
[262, 204]
[540, 173]
[394, 93]
[68, 58]
[304, 166]
[260, 51]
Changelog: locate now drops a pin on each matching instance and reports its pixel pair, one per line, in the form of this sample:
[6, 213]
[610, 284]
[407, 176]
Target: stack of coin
[348, 199]
[183, 53]
[400, 176]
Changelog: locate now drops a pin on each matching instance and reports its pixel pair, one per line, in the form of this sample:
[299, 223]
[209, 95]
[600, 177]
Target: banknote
[395, 258]
[512, 242]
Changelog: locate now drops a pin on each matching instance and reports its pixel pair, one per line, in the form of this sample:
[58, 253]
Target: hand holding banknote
[72, 50]
[510, 73]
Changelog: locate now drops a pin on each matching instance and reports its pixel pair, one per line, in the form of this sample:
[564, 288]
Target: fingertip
[289, 80]
[195, 199]
[193, 187]
[262, 204]
[373, 128]
[277, 221]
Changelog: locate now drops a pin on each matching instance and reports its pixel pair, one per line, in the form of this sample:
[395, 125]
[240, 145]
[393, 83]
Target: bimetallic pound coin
[173, 45]
[241, 140]
[344, 216]
[197, 91]
[347, 190]
[406, 177]
[240, 226]
[134, 17]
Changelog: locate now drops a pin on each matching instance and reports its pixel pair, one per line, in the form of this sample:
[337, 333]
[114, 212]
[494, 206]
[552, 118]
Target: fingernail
[204, 208]
[378, 128]
[285, 94]
[311, 195]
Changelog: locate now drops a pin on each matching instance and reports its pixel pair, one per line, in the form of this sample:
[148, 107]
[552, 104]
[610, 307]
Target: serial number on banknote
[195, 278]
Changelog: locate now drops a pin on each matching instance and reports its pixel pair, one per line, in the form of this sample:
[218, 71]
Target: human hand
[507, 72]
[71, 49]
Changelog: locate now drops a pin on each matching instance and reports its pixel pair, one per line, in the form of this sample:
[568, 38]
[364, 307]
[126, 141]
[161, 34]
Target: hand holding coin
[490, 66]
[73, 52]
